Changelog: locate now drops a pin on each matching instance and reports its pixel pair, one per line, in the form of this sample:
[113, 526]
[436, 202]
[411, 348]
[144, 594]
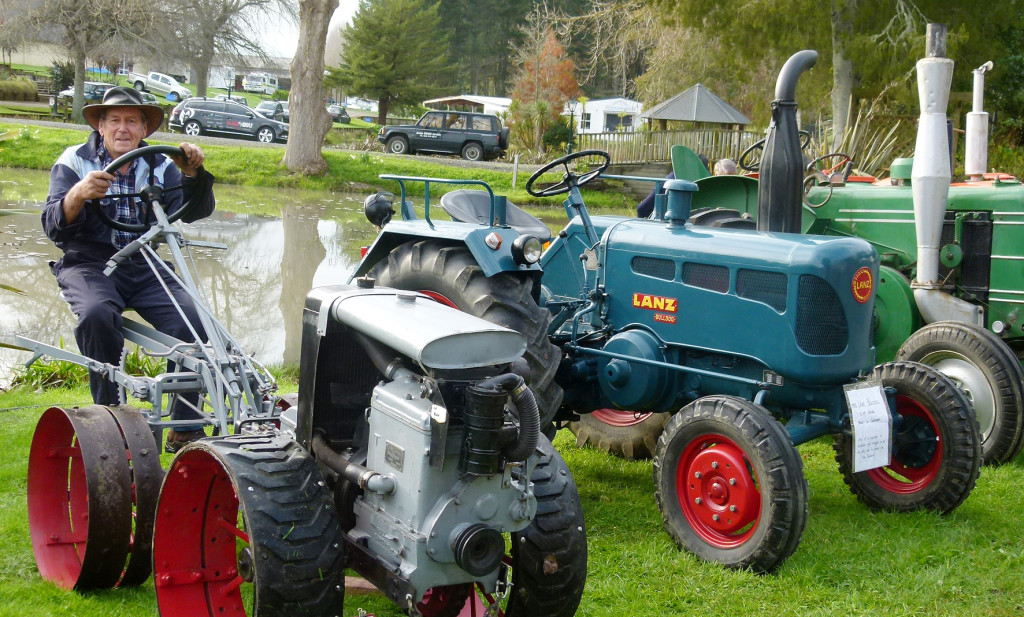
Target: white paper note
[872, 425]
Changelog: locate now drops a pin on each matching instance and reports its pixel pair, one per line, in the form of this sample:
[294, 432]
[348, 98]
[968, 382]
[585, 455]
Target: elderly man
[120, 123]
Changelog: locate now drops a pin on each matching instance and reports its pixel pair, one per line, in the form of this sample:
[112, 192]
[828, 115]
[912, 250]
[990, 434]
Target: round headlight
[526, 250]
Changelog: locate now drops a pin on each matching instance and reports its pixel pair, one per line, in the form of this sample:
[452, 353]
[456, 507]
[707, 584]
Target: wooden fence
[652, 146]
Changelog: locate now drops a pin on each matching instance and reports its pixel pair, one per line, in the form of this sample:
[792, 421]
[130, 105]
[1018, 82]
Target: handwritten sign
[871, 423]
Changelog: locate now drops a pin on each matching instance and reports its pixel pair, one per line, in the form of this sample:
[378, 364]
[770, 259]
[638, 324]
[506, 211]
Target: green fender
[896, 314]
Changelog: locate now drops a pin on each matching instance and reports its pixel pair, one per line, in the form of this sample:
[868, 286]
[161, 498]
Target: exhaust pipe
[779, 193]
[976, 156]
[930, 177]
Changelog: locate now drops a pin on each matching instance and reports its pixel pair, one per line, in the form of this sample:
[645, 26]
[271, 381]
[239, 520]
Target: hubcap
[718, 492]
[972, 382]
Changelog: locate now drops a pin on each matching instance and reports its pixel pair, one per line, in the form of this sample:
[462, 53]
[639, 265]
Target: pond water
[281, 243]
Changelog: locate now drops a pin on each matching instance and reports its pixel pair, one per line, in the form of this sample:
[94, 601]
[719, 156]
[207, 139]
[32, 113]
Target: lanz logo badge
[862, 285]
[655, 303]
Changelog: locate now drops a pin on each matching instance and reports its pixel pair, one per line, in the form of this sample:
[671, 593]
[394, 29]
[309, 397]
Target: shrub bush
[19, 89]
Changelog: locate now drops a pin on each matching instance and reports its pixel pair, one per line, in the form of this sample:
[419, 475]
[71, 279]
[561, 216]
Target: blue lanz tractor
[749, 342]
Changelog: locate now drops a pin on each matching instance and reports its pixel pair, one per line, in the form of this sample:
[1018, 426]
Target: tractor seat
[469, 206]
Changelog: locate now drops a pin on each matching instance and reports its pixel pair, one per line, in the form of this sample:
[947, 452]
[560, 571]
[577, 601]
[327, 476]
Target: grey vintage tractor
[413, 454]
[747, 341]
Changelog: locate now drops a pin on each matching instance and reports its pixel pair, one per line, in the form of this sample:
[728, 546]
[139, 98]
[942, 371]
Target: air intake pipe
[782, 165]
[976, 155]
[930, 185]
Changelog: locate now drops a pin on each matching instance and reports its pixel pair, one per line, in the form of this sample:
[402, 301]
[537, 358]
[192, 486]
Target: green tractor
[950, 288]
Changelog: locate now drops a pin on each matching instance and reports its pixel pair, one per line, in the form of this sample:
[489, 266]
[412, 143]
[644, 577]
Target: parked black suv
[199, 115]
[473, 136]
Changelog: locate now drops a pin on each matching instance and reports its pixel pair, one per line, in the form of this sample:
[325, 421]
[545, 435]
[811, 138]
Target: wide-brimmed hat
[121, 96]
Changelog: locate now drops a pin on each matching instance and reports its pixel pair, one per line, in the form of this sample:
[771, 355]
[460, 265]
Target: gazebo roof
[698, 104]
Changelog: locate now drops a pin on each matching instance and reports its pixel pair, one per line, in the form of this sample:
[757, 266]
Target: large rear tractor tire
[936, 455]
[631, 435]
[730, 484]
[548, 559]
[449, 274]
[93, 479]
[245, 526]
[986, 371]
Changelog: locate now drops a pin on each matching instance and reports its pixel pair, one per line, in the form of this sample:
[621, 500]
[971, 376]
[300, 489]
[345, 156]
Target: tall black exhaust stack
[782, 165]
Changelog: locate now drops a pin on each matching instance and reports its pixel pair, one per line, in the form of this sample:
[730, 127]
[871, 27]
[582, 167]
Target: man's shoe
[176, 441]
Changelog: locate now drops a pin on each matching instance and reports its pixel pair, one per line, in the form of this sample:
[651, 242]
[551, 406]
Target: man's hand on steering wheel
[189, 162]
[569, 178]
[188, 157]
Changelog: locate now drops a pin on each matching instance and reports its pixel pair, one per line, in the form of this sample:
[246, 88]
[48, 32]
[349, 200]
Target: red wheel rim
[439, 599]
[619, 418]
[198, 541]
[897, 477]
[438, 297]
[718, 491]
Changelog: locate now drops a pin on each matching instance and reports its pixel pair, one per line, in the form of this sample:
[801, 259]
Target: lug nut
[714, 517]
[697, 475]
[698, 501]
[714, 464]
[732, 508]
[732, 481]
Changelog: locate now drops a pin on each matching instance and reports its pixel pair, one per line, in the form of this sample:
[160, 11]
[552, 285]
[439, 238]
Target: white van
[265, 83]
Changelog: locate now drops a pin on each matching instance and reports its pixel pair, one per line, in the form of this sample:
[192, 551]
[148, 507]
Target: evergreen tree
[395, 52]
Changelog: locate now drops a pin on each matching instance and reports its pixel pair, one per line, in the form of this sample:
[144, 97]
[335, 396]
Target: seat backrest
[470, 206]
[686, 165]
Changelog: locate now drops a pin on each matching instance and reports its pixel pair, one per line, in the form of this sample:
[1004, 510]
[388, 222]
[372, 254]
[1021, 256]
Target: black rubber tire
[723, 218]
[778, 477]
[549, 557]
[398, 145]
[295, 540]
[473, 151]
[505, 299]
[949, 475]
[140, 86]
[988, 373]
[633, 443]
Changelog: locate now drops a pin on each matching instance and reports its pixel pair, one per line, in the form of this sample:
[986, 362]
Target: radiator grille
[767, 287]
[658, 268]
[821, 328]
[705, 276]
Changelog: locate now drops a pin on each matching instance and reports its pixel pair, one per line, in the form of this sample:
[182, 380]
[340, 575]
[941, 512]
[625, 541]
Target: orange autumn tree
[544, 82]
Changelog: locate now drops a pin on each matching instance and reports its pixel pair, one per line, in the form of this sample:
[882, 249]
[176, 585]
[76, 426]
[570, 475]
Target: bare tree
[11, 36]
[199, 31]
[85, 25]
[309, 118]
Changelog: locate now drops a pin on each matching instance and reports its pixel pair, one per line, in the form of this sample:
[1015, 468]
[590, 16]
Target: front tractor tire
[730, 484]
[450, 274]
[936, 455]
[986, 371]
[245, 526]
[631, 435]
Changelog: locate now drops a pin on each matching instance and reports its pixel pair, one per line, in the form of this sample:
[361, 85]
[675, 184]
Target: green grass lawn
[851, 561]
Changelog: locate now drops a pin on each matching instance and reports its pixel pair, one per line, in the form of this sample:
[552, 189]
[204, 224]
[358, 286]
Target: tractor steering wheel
[750, 160]
[148, 194]
[826, 175]
[569, 179]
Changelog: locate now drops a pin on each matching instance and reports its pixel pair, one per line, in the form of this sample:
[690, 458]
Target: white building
[471, 102]
[604, 115]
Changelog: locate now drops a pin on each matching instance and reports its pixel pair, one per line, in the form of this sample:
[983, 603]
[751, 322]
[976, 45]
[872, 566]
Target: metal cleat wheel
[93, 478]
[246, 526]
[936, 455]
[730, 484]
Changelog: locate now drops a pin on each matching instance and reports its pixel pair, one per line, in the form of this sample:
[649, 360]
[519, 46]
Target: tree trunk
[79, 97]
[842, 67]
[383, 107]
[201, 71]
[309, 118]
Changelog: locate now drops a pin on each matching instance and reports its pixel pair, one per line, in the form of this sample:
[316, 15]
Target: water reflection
[281, 243]
[256, 286]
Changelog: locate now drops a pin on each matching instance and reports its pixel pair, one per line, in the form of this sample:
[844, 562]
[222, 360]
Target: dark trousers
[98, 301]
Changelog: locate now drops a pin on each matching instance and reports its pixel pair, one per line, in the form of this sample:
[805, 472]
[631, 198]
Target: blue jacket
[88, 238]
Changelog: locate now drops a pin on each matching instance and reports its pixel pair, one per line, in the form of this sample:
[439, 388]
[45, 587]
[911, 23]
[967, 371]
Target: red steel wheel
[245, 526]
[730, 484]
[936, 452]
[79, 498]
[718, 491]
[629, 434]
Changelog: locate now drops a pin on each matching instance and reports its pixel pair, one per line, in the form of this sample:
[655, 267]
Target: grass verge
[36, 147]
[851, 562]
